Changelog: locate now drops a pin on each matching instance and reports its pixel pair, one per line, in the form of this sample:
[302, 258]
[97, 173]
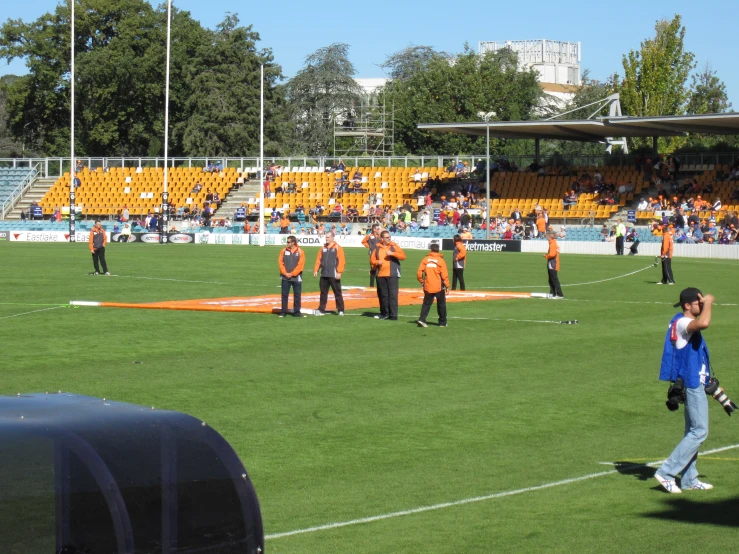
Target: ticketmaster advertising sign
[489, 246]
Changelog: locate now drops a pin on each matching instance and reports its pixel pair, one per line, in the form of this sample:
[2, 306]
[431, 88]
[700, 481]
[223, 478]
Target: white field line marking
[464, 501]
[33, 312]
[660, 462]
[574, 284]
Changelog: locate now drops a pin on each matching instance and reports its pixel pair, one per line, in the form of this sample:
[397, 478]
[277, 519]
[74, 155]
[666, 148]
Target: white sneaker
[701, 486]
[318, 312]
[668, 484]
[422, 324]
[341, 313]
[659, 283]
[107, 272]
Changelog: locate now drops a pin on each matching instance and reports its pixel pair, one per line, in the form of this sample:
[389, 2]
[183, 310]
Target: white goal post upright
[261, 159]
[72, 164]
[164, 216]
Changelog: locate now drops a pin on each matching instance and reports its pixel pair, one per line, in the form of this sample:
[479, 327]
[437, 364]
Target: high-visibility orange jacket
[97, 238]
[667, 245]
[284, 223]
[433, 273]
[541, 224]
[292, 262]
[330, 261]
[460, 254]
[386, 259]
[552, 255]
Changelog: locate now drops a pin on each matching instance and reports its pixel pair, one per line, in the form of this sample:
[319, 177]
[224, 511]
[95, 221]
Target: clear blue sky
[293, 29]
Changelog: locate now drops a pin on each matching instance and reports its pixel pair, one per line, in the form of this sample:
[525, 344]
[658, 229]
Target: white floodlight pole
[165, 194]
[72, 165]
[261, 160]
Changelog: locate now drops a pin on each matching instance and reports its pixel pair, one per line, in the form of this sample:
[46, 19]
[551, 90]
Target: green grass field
[338, 419]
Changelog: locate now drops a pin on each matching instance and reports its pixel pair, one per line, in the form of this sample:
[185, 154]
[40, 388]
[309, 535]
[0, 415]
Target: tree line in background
[215, 90]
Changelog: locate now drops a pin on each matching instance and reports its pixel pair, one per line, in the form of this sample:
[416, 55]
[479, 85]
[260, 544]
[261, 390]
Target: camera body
[713, 389]
[676, 394]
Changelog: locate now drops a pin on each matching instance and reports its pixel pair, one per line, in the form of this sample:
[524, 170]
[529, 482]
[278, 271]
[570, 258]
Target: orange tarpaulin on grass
[355, 298]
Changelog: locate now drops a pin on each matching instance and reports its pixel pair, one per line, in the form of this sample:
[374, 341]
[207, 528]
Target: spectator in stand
[562, 233]
[643, 205]
[216, 200]
[541, 225]
[247, 228]
[466, 234]
[716, 206]
[284, 224]
[569, 199]
[518, 230]
[711, 234]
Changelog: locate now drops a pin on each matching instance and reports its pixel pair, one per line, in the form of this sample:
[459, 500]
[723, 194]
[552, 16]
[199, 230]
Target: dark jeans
[297, 287]
[387, 293]
[458, 275]
[554, 287]
[620, 245]
[98, 255]
[335, 285]
[428, 299]
[667, 271]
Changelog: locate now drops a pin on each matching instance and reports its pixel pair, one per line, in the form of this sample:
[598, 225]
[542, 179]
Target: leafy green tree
[9, 148]
[655, 77]
[223, 106]
[708, 93]
[455, 91]
[320, 92]
[404, 63]
[120, 53]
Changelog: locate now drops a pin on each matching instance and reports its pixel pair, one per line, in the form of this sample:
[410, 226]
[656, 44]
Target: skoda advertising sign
[489, 246]
[153, 238]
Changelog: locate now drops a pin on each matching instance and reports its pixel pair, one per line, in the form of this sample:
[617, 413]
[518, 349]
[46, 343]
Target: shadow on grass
[640, 471]
[725, 512]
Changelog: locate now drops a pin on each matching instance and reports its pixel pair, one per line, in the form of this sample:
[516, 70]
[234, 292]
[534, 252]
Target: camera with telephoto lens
[675, 394]
[719, 394]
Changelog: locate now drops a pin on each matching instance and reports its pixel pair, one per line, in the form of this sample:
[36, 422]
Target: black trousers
[620, 245]
[373, 275]
[297, 287]
[335, 284]
[458, 275]
[387, 293]
[667, 271]
[428, 299]
[554, 287]
[98, 255]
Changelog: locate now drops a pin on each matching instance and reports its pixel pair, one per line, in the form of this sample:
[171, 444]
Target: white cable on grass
[572, 284]
[33, 312]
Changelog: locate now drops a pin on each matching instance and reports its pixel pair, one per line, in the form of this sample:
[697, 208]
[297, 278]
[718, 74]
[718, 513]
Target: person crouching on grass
[434, 276]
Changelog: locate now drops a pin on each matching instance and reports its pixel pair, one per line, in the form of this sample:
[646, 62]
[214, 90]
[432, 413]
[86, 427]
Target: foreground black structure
[81, 474]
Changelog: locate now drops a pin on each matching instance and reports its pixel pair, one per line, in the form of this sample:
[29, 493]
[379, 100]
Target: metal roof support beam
[537, 150]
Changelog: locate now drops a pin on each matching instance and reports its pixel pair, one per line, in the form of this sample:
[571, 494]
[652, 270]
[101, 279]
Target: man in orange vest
[291, 262]
[98, 240]
[385, 258]
[370, 242]
[458, 262]
[666, 254]
[552, 257]
[434, 276]
[330, 262]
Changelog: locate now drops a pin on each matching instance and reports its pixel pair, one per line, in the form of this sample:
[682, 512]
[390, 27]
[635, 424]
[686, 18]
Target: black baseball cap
[688, 296]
